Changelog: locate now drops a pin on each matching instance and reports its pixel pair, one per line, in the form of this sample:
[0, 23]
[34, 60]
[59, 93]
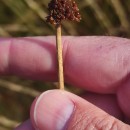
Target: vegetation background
[27, 18]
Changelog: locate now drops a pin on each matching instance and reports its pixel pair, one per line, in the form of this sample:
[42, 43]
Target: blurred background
[20, 18]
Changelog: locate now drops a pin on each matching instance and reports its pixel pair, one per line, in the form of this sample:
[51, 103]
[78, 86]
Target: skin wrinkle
[105, 123]
[84, 120]
[78, 118]
[96, 123]
[114, 126]
[117, 126]
[78, 121]
[89, 125]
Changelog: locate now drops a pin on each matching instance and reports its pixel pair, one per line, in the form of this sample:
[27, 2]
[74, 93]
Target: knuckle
[106, 122]
[85, 122]
[101, 123]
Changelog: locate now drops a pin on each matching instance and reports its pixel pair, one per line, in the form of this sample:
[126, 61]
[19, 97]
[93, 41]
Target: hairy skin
[97, 64]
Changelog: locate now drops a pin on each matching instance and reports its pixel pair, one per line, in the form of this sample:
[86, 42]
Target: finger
[97, 64]
[106, 102]
[27, 125]
[28, 57]
[58, 110]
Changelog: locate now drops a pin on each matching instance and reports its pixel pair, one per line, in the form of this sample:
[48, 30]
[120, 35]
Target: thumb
[61, 110]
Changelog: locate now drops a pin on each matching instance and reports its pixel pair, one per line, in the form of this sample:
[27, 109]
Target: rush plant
[60, 10]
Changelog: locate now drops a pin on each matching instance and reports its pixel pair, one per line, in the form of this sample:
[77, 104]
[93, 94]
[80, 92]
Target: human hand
[99, 65]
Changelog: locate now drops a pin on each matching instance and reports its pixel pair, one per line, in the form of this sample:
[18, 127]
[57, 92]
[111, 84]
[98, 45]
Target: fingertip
[51, 110]
[34, 107]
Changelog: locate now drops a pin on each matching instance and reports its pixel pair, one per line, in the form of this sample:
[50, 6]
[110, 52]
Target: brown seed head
[62, 10]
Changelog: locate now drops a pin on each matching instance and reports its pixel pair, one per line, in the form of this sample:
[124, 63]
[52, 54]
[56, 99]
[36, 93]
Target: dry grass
[27, 18]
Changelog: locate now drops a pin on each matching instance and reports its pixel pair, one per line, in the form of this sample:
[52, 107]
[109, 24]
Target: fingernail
[52, 110]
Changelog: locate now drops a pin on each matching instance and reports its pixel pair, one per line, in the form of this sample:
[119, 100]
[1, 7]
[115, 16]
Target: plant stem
[59, 56]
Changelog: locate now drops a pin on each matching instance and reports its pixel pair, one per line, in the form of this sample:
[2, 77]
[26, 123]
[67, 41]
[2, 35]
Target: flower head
[62, 10]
